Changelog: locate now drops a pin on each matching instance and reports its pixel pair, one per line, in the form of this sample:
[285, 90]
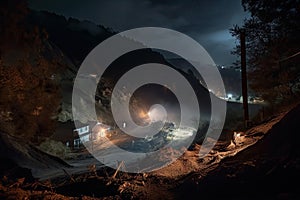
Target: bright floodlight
[157, 113]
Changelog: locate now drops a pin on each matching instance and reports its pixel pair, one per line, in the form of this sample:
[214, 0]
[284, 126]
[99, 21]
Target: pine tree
[272, 40]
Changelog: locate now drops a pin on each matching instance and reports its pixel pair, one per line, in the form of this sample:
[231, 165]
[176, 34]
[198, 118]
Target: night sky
[205, 21]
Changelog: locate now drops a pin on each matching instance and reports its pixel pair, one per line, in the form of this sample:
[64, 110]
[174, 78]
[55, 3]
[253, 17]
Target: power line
[287, 58]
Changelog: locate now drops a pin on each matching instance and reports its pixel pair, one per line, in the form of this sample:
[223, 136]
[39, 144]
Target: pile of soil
[266, 169]
[269, 169]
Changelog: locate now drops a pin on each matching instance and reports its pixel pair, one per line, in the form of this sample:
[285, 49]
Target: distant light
[229, 96]
[101, 133]
[93, 75]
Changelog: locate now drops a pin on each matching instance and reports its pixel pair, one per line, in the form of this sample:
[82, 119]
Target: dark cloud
[206, 21]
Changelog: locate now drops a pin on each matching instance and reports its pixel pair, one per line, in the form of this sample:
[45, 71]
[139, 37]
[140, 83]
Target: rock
[65, 116]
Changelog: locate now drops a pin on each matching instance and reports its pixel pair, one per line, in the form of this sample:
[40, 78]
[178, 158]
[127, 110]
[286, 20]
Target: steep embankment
[19, 158]
[267, 170]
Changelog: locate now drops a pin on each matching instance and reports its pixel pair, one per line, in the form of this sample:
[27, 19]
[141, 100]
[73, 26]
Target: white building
[89, 132]
[83, 135]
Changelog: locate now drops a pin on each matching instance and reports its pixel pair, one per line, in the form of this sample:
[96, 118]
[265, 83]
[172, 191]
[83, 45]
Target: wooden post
[117, 170]
[244, 77]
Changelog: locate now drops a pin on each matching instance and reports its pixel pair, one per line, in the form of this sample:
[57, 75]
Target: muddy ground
[263, 164]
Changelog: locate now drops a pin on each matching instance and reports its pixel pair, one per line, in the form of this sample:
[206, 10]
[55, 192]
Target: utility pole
[244, 77]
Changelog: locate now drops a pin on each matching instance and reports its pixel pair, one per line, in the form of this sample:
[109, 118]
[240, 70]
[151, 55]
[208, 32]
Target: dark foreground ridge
[267, 170]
